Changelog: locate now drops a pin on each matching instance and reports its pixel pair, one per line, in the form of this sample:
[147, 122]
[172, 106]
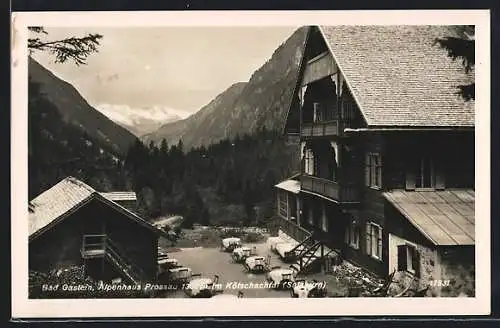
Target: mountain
[75, 110]
[141, 120]
[201, 124]
[263, 101]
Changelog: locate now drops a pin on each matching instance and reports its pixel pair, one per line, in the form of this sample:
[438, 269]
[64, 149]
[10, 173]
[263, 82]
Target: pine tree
[76, 49]
[462, 47]
[164, 150]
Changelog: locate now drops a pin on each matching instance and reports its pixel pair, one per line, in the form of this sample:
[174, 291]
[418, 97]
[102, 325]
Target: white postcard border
[22, 307]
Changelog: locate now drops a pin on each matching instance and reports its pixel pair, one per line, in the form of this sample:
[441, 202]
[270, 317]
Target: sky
[179, 68]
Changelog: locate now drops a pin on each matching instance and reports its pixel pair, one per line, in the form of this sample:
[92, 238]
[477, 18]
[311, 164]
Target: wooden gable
[317, 64]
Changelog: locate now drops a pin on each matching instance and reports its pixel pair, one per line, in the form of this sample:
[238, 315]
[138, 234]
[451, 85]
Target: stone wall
[445, 272]
[429, 267]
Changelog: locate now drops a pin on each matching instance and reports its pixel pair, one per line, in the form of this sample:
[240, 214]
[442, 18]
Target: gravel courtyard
[211, 261]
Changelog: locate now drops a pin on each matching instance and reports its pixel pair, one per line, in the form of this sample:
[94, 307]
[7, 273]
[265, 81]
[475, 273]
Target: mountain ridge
[75, 109]
[263, 101]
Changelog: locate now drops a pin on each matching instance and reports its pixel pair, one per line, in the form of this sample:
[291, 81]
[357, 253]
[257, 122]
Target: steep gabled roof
[399, 76]
[298, 81]
[56, 203]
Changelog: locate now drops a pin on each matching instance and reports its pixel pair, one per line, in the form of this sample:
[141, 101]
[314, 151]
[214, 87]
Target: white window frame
[409, 258]
[374, 247]
[309, 161]
[374, 167]
[317, 112]
[432, 173]
[410, 250]
[352, 235]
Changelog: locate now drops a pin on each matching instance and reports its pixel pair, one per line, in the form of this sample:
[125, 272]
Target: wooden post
[287, 207]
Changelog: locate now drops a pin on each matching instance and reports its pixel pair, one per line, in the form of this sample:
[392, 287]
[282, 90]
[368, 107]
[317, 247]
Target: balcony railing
[330, 189]
[97, 246]
[320, 129]
[292, 229]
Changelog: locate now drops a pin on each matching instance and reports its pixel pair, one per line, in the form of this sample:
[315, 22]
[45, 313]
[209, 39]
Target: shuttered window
[425, 173]
[373, 234]
[373, 170]
[409, 259]
[424, 177]
[352, 234]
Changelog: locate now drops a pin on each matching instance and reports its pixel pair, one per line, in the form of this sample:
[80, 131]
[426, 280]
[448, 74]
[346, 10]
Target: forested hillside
[230, 182]
[59, 149]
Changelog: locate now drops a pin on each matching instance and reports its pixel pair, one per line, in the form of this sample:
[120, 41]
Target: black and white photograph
[327, 158]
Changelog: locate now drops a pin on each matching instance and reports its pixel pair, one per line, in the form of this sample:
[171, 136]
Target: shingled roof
[399, 77]
[56, 203]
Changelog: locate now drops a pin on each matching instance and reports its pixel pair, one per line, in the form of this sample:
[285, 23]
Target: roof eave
[299, 79]
[386, 195]
[131, 215]
[408, 128]
[34, 235]
[98, 196]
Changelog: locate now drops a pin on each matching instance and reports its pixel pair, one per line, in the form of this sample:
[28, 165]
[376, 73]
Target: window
[309, 162]
[409, 259]
[374, 240]
[424, 174]
[283, 203]
[373, 170]
[352, 235]
[348, 106]
[317, 112]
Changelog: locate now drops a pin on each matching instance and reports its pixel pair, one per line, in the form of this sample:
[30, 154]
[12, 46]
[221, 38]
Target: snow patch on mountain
[126, 114]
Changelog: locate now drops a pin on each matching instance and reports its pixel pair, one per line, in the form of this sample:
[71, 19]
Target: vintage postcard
[250, 163]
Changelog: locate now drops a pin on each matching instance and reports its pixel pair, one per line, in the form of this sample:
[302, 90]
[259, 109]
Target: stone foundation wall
[429, 268]
[444, 272]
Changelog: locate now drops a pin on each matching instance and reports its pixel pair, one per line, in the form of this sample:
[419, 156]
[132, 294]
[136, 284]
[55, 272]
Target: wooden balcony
[101, 246]
[320, 129]
[330, 189]
[93, 246]
[319, 67]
